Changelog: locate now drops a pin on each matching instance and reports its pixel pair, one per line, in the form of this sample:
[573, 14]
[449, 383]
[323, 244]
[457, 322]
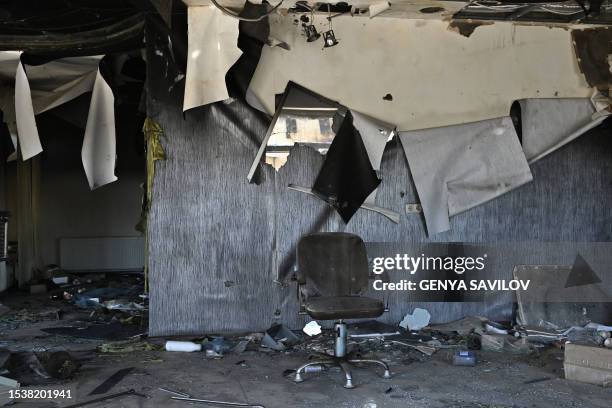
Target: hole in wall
[431, 10]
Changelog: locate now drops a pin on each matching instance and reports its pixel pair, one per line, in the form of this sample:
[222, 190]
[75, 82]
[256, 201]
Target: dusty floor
[256, 377]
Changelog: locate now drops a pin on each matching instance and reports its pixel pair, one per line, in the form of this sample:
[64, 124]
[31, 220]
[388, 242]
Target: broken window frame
[291, 86]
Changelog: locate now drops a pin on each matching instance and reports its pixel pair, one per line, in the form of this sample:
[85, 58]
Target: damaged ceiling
[448, 77]
[561, 11]
[72, 27]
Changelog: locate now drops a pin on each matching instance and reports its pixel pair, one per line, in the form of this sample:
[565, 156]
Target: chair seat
[343, 307]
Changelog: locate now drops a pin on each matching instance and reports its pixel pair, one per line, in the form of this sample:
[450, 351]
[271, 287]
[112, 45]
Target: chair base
[343, 362]
[340, 360]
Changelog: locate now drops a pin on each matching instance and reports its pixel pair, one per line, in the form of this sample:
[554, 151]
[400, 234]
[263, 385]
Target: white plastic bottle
[186, 346]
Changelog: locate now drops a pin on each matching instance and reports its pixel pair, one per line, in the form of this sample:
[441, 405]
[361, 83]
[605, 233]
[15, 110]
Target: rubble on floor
[35, 368]
[470, 343]
[87, 308]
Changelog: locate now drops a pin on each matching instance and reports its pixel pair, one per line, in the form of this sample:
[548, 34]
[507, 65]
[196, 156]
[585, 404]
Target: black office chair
[332, 274]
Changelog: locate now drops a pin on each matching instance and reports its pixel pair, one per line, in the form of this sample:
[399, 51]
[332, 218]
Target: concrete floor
[257, 377]
[497, 381]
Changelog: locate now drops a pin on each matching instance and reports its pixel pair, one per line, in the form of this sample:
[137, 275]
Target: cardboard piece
[588, 364]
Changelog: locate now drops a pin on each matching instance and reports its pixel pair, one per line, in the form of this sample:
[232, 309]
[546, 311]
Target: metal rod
[213, 402]
[180, 394]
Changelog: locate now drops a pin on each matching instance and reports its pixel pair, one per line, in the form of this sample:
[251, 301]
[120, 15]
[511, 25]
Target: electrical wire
[546, 7]
[254, 19]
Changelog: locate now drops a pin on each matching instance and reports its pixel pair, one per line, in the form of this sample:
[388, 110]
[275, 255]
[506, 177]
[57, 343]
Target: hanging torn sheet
[41, 85]
[548, 124]
[459, 167]
[99, 144]
[306, 118]
[375, 134]
[56, 82]
[27, 132]
[44, 86]
[347, 177]
[212, 50]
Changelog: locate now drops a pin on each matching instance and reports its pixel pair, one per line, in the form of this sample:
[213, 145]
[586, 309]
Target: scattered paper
[312, 328]
[417, 320]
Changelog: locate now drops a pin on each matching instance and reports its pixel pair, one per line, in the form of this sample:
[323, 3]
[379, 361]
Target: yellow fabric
[152, 137]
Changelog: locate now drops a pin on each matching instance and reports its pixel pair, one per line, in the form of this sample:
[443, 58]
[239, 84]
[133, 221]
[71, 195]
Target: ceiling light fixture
[329, 38]
[310, 30]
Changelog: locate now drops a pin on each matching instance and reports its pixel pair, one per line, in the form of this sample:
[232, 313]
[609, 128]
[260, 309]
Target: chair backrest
[332, 264]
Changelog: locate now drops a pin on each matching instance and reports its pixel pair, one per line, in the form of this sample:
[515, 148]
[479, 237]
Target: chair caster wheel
[298, 378]
[349, 385]
[387, 374]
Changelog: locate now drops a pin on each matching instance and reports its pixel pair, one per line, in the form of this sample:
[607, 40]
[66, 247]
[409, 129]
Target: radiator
[102, 254]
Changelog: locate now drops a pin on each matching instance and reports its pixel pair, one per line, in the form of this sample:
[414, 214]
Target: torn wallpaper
[99, 144]
[27, 132]
[548, 124]
[347, 177]
[459, 167]
[375, 135]
[212, 50]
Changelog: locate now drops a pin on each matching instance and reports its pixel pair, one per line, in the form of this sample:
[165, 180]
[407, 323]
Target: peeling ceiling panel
[39, 88]
[456, 168]
[99, 150]
[212, 50]
[29, 142]
[420, 74]
[375, 135]
[548, 124]
[44, 85]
